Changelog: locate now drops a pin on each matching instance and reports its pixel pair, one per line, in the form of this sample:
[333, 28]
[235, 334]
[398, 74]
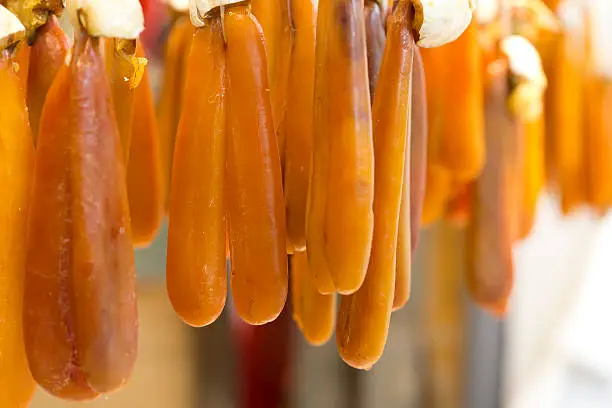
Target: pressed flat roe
[144, 177]
[80, 319]
[340, 219]
[254, 185]
[363, 317]
[196, 275]
[17, 157]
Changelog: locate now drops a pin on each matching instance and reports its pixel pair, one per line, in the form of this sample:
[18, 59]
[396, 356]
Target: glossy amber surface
[313, 312]
[196, 274]
[144, 174]
[363, 317]
[254, 186]
[80, 319]
[17, 156]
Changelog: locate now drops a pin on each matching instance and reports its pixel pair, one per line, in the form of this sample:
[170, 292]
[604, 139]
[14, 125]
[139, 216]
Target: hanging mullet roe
[298, 150]
[80, 303]
[340, 219]
[47, 56]
[455, 108]
[363, 317]
[375, 40]
[196, 264]
[313, 312]
[254, 185]
[17, 157]
[49, 318]
[144, 178]
[124, 71]
[275, 20]
[489, 270]
[171, 95]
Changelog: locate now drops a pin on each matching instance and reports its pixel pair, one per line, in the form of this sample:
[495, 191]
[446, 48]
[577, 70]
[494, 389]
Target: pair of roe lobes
[80, 318]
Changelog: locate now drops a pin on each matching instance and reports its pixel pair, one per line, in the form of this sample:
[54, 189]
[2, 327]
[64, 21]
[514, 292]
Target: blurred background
[551, 351]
